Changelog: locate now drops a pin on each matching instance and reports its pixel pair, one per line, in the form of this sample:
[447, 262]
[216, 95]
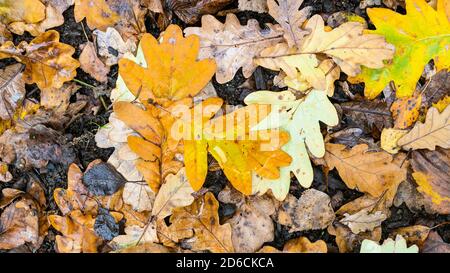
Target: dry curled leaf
[48, 62]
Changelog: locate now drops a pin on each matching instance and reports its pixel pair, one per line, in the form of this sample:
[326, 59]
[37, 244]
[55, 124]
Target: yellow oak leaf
[28, 11]
[97, 13]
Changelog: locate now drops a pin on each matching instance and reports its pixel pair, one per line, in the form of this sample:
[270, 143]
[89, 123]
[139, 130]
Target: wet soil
[84, 127]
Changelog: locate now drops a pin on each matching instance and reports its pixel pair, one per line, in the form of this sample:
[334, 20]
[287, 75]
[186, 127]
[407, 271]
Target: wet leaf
[103, 179]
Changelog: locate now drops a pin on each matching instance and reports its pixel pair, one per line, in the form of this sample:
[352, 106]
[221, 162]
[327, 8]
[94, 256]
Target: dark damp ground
[83, 128]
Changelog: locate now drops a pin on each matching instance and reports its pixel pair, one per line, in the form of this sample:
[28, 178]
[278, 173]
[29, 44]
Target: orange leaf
[48, 63]
[97, 13]
[406, 111]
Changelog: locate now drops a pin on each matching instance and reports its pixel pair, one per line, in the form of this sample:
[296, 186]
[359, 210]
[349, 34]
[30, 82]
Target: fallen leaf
[419, 36]
[369, 172]
[233, 46]
[198, 224]
[111, 45]
[311, 211]
[28, 11]
[435, 244]
[102, 179]
[389, 139]
[368, 115]
[251, 223]
[288, 15]
[299, 117]
[364, 220]
[347, 241]
[413, 234]
[54, 10]
[189, 11]
[299, 245]
[442, 104]
[433, 132]
[175, 192]
[98, 14]
[48, 62]
[405, 111]
[431, 173]
[12, 90]
[139, 196]
[388, 246]
[145, 248]
[78, 233]
[134, 236]
[347, 45]
[19, 224]
[91, 64]
[259, 6]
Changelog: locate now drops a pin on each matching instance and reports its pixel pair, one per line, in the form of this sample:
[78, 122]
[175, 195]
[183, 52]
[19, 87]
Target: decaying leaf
[347, 241]
[233, 46]
[251, 223]
[431, 173]
[405, 111]
[368, 115]
[435, 131]
[48, 62]
[311, 211]
[369, 172]
[435, 244]
[199, 228]
[299, 117]
[12, 90]
[388, 246]
[419, 36]
[413, 234]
